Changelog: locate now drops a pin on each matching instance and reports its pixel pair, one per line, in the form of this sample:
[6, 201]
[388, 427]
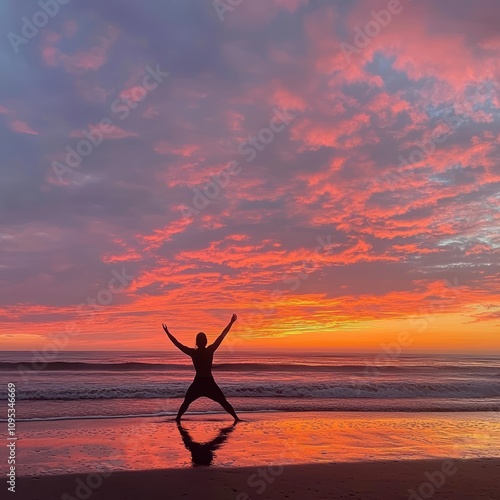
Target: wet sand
[304, 455]
[70, 446]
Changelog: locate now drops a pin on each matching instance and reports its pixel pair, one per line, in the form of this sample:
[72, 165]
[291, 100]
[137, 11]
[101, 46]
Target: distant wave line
[236, 367]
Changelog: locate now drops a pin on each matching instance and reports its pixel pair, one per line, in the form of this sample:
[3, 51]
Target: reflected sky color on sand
[274, 438]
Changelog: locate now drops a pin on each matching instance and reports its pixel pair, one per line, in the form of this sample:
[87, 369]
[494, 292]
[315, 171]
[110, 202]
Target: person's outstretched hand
[234, 318]
[165, 328]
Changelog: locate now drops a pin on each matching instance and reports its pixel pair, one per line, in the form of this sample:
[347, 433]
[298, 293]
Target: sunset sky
[358, 175]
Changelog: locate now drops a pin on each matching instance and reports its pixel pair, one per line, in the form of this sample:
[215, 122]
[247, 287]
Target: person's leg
[229, 408]
[217, 395]
[191, 395]
[184, 406]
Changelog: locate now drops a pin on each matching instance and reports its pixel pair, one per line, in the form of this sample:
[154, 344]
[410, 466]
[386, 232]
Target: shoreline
[218, 413]
[391, 480]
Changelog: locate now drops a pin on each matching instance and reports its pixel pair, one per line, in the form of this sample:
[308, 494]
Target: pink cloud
[134, 94]
[284, 97]
[115, 133]
[119, 133]
[70, 28]
[159, 236]
[341, 133]
[332, 171]
[150, 112]
[291, 5]
[166, 148]
[86, 60]
[91, 92]
[22, 127]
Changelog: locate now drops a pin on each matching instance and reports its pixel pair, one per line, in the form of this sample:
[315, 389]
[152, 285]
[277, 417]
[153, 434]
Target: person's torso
[202, 361]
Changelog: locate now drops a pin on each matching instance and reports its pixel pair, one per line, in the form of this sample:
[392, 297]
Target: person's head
[201, 340]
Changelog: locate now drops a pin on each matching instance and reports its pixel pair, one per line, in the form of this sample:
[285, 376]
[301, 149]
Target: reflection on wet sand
[203, 453]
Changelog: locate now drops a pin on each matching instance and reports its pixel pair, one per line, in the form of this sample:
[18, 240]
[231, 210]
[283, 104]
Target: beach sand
[306, 455]
[471, 479]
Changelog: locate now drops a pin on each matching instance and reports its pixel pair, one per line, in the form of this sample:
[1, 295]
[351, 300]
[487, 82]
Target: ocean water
[82, 385]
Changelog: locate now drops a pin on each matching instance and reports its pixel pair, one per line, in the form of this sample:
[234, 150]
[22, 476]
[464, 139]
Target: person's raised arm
[220, 338]
[216, 443]
[182, 347]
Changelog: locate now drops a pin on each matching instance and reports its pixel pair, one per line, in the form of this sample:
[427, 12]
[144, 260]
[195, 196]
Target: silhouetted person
[203, 453]
[203, 383]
